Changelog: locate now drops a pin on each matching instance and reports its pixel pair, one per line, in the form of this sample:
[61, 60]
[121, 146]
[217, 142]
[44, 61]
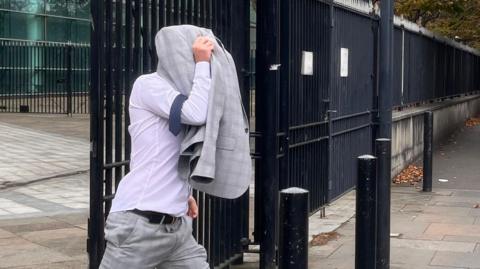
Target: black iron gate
[304, 115]
[122, 49]
[316, 90]
[352, 95]
[327, 93]
[44, 77]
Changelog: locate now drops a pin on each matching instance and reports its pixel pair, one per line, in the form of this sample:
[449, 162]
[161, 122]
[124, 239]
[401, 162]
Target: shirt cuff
[202, 69]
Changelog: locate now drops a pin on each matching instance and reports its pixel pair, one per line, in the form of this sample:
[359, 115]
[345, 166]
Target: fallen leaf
[472, 122]
[412, 174]
[323, 238]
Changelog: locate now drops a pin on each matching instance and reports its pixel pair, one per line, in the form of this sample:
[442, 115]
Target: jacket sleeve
[159, 97]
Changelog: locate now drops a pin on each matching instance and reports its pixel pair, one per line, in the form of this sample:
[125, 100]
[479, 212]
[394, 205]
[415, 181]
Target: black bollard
[384, 179]
[427, 151]
[293, 238]
[365, 213]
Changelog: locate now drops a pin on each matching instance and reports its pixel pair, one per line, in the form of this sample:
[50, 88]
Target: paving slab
[433, 245]
[77, 126]
[64, 195]
[34, 226]
[56, 265]
[46, 235]
[32, 157]
[336, 214]
[453, 229]
[469, 260]
[408, 266]
[457, 160]
[411, 258]
[409, 230]
[438, 210]
[20, 252]
[461, 238]
[6, 234]
[438, 218]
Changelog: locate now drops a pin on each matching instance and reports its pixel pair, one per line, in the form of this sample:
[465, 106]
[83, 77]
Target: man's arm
[194, 110]
[159, 97]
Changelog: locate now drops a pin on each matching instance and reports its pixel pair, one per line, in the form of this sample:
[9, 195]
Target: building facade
[45, 20]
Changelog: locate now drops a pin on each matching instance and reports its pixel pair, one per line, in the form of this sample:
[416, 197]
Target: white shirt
[153, 183]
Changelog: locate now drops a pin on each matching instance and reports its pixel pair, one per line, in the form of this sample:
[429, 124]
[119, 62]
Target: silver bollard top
[294, 190]
[383, 139]
[367, 157]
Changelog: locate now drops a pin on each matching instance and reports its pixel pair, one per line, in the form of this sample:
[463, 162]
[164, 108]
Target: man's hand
[202, 49]
[192, 208]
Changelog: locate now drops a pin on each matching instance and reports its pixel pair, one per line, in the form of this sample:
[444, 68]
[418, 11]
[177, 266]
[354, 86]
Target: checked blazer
[215, 158]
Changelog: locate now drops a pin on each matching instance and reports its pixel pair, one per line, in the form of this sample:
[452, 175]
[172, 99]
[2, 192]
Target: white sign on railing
[343, 62]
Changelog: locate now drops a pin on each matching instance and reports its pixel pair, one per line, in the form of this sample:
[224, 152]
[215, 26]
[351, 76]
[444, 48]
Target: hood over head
[176, 62]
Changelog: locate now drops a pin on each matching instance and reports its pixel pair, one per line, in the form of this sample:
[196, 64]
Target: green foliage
[452, 18]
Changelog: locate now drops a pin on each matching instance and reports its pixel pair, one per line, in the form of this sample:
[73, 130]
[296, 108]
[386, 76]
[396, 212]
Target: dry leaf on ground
[412, 174]
[324, 238]
[472, 122]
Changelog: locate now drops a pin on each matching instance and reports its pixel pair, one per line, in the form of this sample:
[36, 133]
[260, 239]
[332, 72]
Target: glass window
[68, 8]
[57, 7]
[21, 26]
[4, 24]
[83, 9]
[5, 4]
[58, 29]
[32, 6]
[64, 30]
[80, 32]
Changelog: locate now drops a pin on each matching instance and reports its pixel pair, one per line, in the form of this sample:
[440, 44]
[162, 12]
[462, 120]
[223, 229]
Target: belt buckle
[174, 220]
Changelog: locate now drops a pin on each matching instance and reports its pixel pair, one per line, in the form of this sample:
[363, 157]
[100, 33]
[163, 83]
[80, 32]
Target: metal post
[293, 238]
[95, 241]
[267, 85]
[384, 176]
[427, 151]
[365, 213]
[68, 82]
[386, 69]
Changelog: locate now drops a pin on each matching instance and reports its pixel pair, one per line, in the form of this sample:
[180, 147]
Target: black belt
[156, 217]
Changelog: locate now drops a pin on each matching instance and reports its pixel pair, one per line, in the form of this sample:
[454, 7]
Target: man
[149, 225]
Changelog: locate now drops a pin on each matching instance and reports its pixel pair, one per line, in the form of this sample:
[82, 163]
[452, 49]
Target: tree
[452, 18]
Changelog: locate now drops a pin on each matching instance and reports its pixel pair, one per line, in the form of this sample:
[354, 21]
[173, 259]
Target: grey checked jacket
[215, 158]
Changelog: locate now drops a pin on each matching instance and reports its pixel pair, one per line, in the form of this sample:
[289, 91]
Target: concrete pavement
[30, 155]
[458, 160]
[43, 224]
[438, 230]
[43, 214]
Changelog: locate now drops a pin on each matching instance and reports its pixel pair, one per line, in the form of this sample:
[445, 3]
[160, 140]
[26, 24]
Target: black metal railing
[123, 48]
[317, 88]
[44, 77]
[427, 68]
[327, 118]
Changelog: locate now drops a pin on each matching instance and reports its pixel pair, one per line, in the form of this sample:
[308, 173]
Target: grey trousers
[134, 243]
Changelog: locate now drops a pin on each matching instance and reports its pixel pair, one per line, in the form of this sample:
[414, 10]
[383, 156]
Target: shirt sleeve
[158, 97]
